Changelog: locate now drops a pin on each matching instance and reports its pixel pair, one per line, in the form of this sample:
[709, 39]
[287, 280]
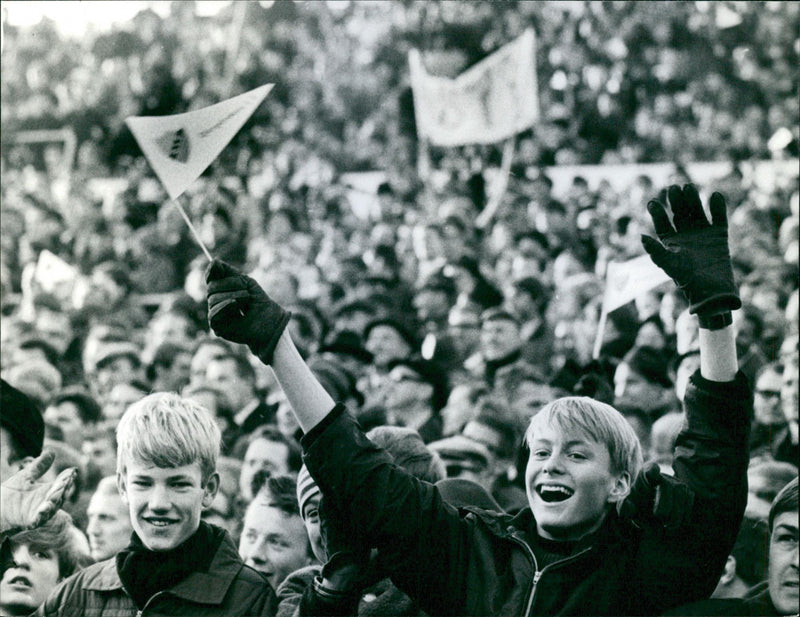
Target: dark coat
[229, 588]
[482, 564]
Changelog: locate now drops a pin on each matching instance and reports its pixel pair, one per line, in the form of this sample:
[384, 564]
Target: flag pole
[485, 217]
[193, 229]
[601, 328]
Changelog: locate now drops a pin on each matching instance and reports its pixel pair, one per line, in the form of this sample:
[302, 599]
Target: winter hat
[306, 489]
[395, 323]
[347, 343]
[430, 373]
[20, 417]
[650, 363]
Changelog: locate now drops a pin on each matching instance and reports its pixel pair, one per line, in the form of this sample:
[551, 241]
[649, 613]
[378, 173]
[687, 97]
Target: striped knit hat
[306, 488]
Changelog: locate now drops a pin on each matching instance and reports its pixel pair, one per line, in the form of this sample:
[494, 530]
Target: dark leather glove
[657, 499]
[241, 312]
[693, 252]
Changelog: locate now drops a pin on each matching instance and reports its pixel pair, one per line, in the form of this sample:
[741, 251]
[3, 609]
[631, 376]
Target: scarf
[144, 572]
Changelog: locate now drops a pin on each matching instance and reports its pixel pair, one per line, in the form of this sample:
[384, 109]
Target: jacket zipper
[538, 573]
[140, 612]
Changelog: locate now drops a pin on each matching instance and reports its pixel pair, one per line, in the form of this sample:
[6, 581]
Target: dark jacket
[227, 589]
[482, 564]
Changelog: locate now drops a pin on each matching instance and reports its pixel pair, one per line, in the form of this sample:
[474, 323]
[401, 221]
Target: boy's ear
[621, 487]
[121, 488]
[210, 489]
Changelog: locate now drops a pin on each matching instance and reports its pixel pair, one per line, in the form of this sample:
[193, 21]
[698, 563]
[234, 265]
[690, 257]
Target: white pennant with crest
[180, 147]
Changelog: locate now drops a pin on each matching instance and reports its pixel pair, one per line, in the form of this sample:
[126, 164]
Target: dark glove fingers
[694, 207]
[661, 222]
[228, 284]
[217, 307]
[719, 214]
[681, 212]
[218, 269]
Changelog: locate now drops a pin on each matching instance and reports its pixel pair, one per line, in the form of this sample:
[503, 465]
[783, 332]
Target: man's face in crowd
[177, 375]
[431, 305]
[789, 403]
[273, 542]
[165, 503]
[311, 521]
[54, 327]
[100, 452]
[119, 399]
[783, 563]
[767, 399]
[200, 361]
[26, 585]
[271, 457]
[109, 528]
[499, 338]
[569, 482]
[114, 371]
[66, 416]
[385, 344]
[633, 387]
[223, 375]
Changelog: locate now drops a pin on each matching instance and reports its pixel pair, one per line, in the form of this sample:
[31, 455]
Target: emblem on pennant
[175, 144]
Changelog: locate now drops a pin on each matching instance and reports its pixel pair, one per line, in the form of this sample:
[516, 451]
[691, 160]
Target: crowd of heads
[446, 339]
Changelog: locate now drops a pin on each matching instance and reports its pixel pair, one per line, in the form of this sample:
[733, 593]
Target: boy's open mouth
[554, 492]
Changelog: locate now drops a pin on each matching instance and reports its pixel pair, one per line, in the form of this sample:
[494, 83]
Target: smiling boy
[175, 564]
[570, 552]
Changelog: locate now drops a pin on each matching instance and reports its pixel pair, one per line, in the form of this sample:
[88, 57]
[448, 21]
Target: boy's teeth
[555, 493]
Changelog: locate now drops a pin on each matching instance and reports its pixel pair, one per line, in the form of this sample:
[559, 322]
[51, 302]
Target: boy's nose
[159, 499]
[21, 558]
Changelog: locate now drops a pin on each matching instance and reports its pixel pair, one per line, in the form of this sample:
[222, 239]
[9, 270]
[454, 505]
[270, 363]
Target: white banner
[181, 146]
[491, 101]
[628, 279]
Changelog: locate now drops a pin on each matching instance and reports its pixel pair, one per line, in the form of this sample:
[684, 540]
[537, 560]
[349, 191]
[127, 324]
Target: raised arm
[241, 312]
[695, 254]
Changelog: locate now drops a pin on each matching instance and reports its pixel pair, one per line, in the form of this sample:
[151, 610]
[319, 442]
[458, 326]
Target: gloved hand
[348, 555]
[241, 312]
[693, 252]
[657, 499]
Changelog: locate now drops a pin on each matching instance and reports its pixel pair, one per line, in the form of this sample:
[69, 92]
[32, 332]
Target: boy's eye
[41, 555]
[578, 456]
[540, 454]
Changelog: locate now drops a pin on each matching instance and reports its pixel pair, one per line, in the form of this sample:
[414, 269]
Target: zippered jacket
[228, 588]
[481, 563]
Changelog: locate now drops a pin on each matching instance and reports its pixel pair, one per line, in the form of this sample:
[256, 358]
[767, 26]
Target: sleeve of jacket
[423, 538]
[677, 566]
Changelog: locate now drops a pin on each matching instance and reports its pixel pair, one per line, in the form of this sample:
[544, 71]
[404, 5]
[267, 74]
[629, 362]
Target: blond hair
[598, 421]
[166, 430]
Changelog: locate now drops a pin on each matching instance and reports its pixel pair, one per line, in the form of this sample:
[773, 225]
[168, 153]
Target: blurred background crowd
[413, 304]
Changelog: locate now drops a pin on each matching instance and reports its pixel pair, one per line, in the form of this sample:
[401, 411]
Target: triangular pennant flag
[181, 146]
[626, 280]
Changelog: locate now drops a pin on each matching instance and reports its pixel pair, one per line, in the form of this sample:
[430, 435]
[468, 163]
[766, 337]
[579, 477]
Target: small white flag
[628, 279]
[181, 146]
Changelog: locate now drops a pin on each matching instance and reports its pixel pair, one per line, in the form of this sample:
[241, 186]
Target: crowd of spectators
[411, 313]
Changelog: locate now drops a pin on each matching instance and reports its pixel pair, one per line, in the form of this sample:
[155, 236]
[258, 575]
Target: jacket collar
[200, 587]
